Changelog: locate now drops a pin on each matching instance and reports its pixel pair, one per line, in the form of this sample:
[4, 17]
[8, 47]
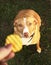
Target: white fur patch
[25, 41]
[25, 28]
[24, 20]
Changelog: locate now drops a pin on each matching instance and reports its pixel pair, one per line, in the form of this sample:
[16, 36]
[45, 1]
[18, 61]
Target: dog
[27, 25]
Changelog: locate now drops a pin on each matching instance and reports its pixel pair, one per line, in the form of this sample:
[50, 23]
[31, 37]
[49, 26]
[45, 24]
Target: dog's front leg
[38, 47]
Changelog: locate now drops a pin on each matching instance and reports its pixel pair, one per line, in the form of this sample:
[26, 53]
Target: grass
[28, 55]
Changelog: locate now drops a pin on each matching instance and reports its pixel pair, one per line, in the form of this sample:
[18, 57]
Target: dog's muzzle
[26, 34]
[27, 41]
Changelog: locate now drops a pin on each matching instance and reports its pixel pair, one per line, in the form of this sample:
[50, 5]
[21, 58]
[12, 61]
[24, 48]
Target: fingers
[5, 51]
[3, 63]
[11, 55]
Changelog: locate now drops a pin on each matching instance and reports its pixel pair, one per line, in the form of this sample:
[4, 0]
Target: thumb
[5, 51]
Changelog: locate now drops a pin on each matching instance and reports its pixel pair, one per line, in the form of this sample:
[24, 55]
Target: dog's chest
[26, 41]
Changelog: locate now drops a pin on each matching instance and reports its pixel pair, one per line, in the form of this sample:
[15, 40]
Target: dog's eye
[30, 24]
[20, 25]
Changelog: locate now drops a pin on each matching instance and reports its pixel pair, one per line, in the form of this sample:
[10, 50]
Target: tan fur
[35, 19]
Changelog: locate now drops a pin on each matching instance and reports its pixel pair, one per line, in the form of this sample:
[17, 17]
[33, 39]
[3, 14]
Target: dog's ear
[15, 30]
[37, 19]
[14, 24]
[38, 22]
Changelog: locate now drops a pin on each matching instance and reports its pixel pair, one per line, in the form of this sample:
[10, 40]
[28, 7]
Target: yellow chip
[16, 42]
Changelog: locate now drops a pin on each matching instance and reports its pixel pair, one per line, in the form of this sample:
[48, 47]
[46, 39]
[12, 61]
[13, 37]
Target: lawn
[28, 55]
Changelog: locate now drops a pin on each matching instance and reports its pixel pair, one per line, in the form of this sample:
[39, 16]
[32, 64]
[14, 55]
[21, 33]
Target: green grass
[28, 55]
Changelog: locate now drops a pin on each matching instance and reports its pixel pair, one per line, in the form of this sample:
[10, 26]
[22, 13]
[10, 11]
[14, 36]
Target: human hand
[6, 54]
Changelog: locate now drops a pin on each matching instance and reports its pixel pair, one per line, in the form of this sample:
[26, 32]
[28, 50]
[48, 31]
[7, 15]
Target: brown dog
[27, 25]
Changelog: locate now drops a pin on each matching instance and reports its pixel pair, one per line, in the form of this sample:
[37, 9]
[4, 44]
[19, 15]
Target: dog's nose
[26, 34]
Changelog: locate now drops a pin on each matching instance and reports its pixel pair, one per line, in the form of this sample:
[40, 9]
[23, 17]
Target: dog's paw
[39, 50]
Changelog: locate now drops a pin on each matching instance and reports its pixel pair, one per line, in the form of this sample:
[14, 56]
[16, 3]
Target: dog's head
[25, 23]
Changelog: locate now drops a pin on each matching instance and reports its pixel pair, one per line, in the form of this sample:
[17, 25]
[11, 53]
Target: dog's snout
[26, 34]
[25, 31]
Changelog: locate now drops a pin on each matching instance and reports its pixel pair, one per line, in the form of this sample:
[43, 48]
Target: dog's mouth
[28, 39]
[27, 35]
[31, 36]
